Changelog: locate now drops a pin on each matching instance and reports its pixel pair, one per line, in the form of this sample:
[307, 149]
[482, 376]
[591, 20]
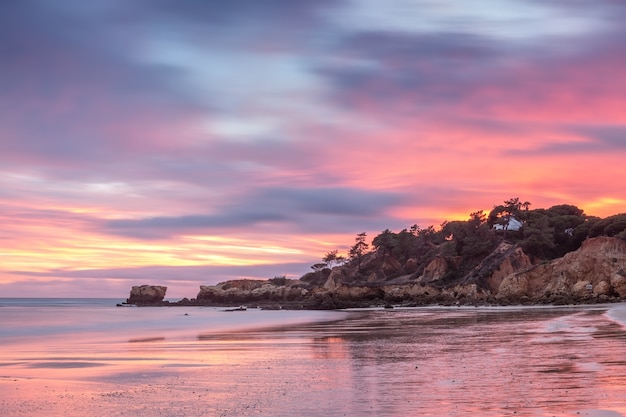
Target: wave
[617, 313]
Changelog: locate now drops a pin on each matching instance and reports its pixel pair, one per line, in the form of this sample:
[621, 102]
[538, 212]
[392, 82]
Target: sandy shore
[426, 362]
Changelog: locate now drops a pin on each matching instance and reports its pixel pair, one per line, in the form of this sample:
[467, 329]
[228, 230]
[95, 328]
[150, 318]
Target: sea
[88, 357]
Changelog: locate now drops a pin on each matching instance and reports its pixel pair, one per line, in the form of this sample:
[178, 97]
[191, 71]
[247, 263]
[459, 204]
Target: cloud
[129, 127]
[282, 208]
[206, 274]
[455, 73]
[429, 69]
[578, 140]
[605, 138]
[74, 92]
[182, 281]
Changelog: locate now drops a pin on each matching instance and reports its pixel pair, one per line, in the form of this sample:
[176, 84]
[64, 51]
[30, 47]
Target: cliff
[246, 291]
[596, 270]
[594, 273]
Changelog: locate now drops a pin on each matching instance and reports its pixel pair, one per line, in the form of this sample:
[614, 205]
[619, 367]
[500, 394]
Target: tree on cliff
[472, 238]
[319, 266]
[543, 234]
[502, 215]
[385, 242]
[359, 248]
[333, 258]
[551, 233]
[426, 240]
[405, 242]
[538, 240]
[611, 226]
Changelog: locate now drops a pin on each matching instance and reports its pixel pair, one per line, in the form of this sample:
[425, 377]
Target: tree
[565, 219]
[405, 241]
[514, 205]
[610, 226]
[471, 238]
[385, 242]
[319, 266]
[359, 248]
[332, 258]
[477, 219]
[539, 236]
[456, 232]
[502, 215]
[425, 241]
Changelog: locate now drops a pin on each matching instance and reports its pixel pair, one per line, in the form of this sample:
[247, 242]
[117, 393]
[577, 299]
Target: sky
[185, 143]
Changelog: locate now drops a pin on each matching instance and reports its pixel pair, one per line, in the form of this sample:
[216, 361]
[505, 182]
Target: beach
[82, 360]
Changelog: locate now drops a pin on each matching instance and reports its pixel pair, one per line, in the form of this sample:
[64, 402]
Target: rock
[596, 272]
[247, 291]
[598, 260]
[513, 261]
[505, 260]
[146, 294]
[391, 266]
[410, 266]
[241, 284]
[358, 293]
[436, 269]
[582, 288]
[334, 279]
[208, 293]
[618, 282]
[602, 288]
[513, 287]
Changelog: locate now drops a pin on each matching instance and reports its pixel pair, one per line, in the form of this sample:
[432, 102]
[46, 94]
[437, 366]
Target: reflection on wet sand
[425, 362]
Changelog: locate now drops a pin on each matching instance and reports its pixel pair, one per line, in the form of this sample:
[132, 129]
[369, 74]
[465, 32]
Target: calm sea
[88, 358]
[99, 318]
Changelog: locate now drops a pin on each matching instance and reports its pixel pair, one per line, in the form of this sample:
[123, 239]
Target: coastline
[339, 304]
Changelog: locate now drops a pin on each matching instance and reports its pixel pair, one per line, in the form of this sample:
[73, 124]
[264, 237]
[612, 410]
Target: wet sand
[422, 362]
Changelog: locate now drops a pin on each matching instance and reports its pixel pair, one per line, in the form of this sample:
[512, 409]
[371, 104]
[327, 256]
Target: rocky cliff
[246, 291]
[596, 272]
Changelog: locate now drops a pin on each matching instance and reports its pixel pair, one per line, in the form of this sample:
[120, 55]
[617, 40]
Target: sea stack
[146, 294]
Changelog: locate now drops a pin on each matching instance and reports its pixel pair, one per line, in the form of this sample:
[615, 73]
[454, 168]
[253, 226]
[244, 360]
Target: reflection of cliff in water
[532, 361]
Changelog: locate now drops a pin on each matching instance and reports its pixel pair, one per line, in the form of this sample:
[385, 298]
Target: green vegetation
[543, 234]
[359, 249]
[333, 258]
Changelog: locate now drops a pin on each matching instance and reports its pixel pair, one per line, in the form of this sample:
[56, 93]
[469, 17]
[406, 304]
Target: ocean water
[89, 358]
[35, 320]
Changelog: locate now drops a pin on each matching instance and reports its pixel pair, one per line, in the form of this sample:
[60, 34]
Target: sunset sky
[184, 143]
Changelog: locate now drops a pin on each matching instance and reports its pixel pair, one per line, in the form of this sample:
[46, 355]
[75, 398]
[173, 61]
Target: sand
[421, 362]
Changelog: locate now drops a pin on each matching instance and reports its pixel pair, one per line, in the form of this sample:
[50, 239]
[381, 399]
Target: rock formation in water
[146, 294]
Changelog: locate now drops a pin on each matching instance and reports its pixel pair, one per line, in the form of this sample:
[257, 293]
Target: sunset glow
[187, 144]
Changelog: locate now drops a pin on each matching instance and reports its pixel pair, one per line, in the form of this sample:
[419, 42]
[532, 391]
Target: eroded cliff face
[594, 273]
[246, 291]
[596, 270]
[504, 261]
[435, 270]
